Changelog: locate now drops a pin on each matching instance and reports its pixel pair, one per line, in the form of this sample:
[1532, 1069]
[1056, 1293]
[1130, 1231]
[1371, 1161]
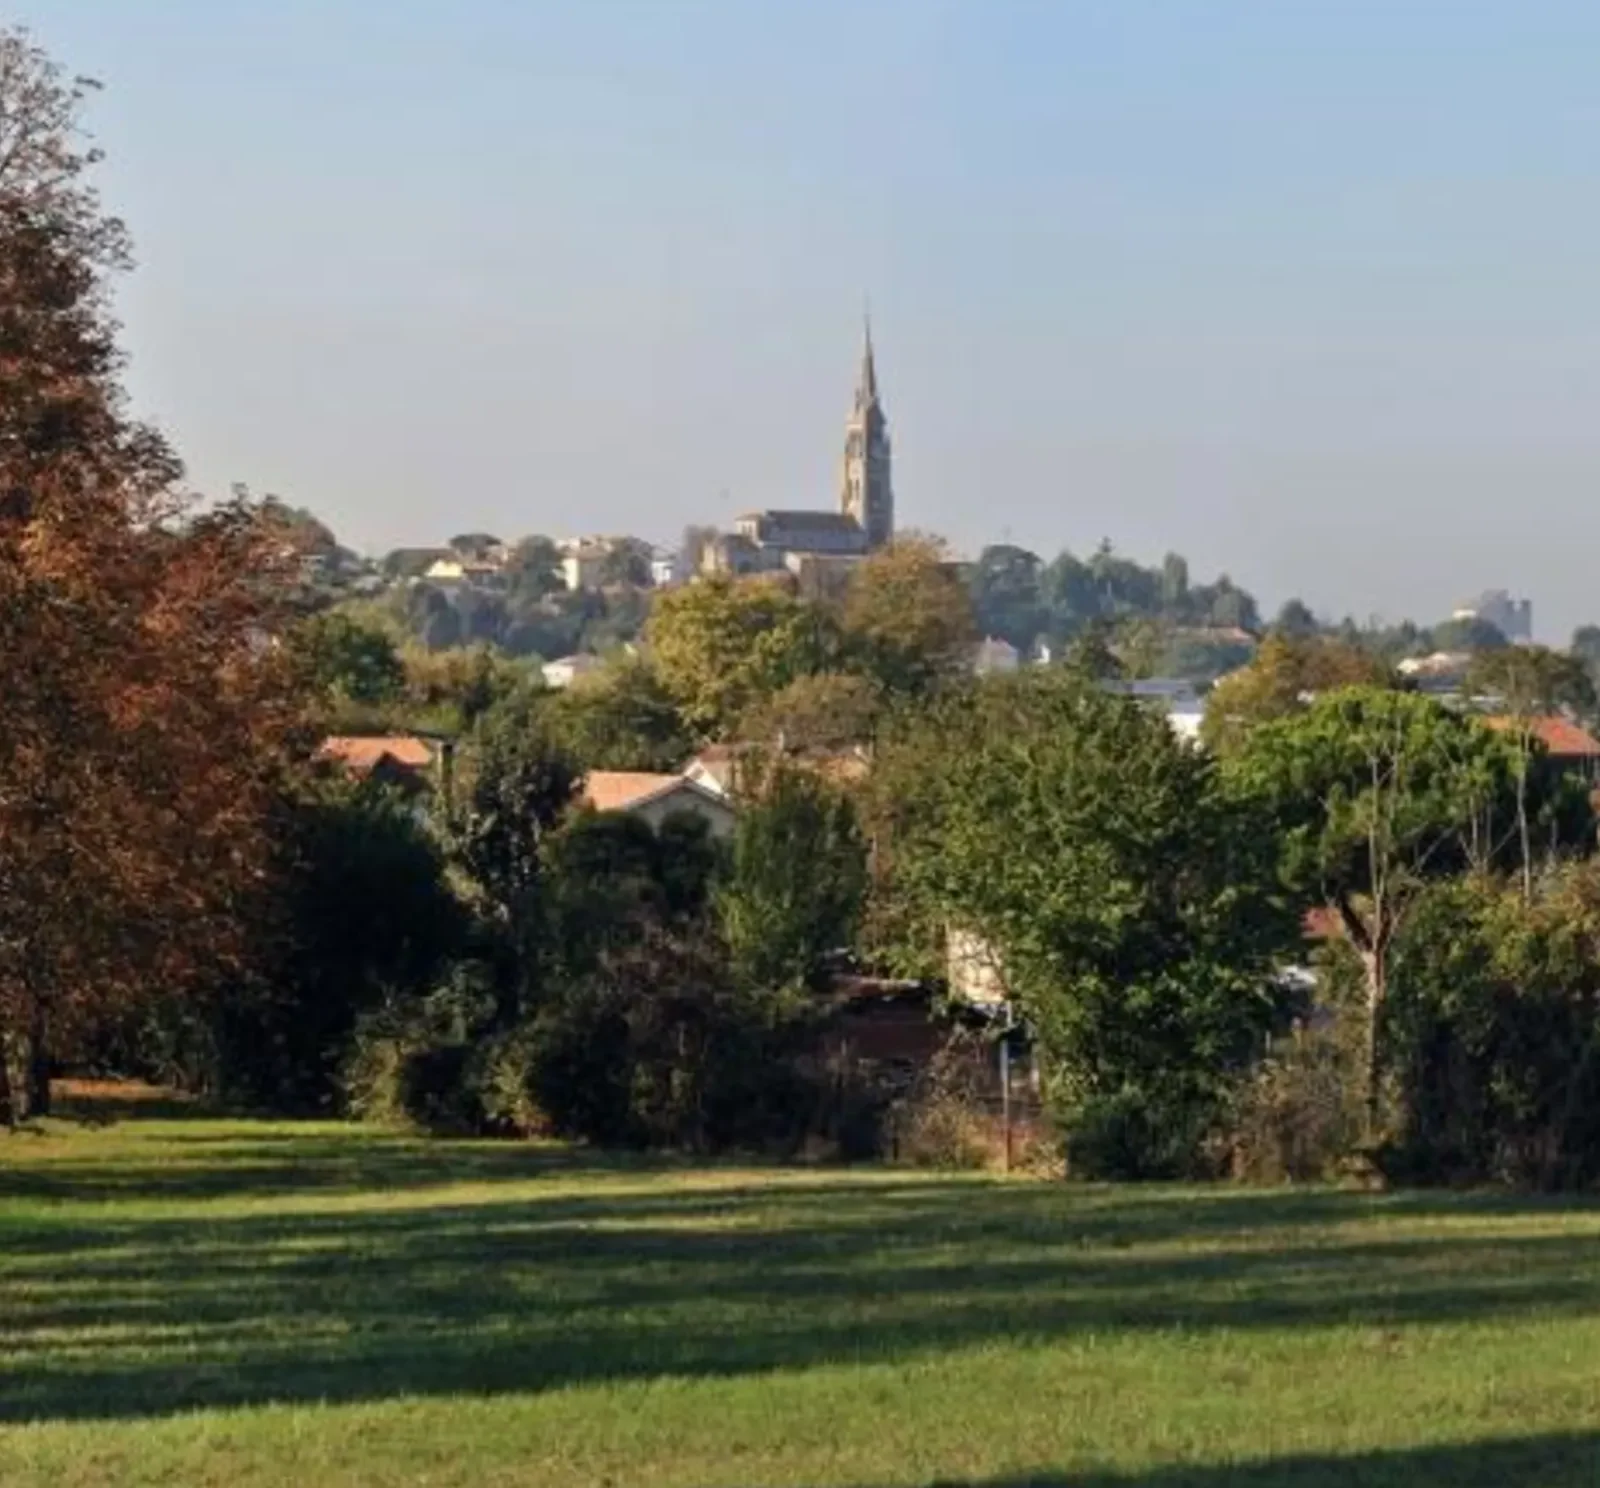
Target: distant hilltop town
[817, 547]
[566, 601]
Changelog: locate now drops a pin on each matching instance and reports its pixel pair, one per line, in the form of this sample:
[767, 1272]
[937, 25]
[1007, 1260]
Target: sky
[1309, 291]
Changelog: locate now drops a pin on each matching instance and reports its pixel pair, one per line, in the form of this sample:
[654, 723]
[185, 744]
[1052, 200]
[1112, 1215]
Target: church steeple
[867, 386]
[865, 491]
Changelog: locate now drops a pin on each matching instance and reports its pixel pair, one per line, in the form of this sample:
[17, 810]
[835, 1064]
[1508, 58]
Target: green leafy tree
[826, 710]
[533, 569]
[522, 784]
[613, 880]
[449, 691]
[1280, 680]
[620, 718]
[722, 645]
[1093, 655]
[658, 1046]
[907, 617]
[1494, 1033]
[347, 661]
[1231, 607]
[1202, 657]
[795, 880]
[627, 562]
[1006, 596]
[1294, 619]
[1140, 646]
[1131, 900]
[368, 921]
[1071, 593]
[1526, 684]
[1174, 583]
[1376, 794]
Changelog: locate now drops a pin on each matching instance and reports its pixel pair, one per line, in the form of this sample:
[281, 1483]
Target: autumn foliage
[146, 711]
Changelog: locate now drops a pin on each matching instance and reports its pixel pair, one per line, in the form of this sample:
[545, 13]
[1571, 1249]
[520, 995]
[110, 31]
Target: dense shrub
[796, 877]
[366, 921]
[656, 1046]
[1494, 1032]
[942, 1120]
[420, 1062]
[1136, 1132]
[1299, 1118]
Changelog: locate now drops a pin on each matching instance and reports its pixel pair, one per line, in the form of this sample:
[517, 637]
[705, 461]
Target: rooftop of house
[362, 754]
[1440, 663]
[1561, 738]
[627, 790]
[717, 764]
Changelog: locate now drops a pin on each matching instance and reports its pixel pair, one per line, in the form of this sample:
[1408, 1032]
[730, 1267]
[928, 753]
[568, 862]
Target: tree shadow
[530, 1281]
[1558, 1460]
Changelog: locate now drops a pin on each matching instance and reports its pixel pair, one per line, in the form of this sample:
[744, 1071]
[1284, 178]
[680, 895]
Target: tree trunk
[10, 1115]
[1522, 828]
[38, 1069]
[1375, 964]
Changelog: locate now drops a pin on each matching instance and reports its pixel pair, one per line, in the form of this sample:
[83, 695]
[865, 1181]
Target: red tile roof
[363, 755]
[621, 790]
[1562, 738]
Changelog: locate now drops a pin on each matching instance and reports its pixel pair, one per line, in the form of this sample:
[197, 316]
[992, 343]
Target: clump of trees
[1128, 894]
[1022, 598]
[1354, 924]
[622, 983]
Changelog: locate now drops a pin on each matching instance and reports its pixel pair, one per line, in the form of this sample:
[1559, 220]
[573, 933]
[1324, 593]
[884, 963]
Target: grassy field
[236, 1303]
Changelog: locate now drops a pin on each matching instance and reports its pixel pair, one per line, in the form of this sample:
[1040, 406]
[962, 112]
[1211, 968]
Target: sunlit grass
[226, 1302]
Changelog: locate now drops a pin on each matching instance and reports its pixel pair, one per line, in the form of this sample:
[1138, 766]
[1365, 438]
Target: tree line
[1355, 926]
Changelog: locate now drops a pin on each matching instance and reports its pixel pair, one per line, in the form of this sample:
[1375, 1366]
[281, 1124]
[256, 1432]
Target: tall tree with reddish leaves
[147, 715]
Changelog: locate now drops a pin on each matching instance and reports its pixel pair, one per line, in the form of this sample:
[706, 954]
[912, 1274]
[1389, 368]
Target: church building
[764, 541]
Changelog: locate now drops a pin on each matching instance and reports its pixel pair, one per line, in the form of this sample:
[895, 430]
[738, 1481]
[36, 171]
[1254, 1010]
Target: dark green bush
[1132, 1133]
[655, 1047]
[1493, 1033]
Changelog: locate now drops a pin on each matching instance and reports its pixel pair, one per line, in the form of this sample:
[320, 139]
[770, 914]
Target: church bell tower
[865, 490]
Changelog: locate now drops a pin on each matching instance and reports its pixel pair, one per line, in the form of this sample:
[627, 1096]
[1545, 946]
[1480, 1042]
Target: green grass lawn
[238, 1303]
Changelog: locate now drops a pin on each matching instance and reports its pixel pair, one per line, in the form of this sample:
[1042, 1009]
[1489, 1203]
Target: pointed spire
[867, 391]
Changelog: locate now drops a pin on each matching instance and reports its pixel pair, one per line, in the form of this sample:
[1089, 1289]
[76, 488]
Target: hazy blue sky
[1309, 291]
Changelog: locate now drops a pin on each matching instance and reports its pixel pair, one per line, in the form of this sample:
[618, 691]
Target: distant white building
[665, 568]
[568, 669]
[1177, 698]
[994, 654]
[1513, 618]
[1440, 665]
[474, 571]
[446, 571]
[583, 563]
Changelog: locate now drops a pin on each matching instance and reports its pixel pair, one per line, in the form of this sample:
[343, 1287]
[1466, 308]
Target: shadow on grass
[525, 1284]
[268, 1164]
[1553, 1461]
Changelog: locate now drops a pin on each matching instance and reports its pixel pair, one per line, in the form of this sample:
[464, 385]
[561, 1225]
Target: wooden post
[1005, 1091]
